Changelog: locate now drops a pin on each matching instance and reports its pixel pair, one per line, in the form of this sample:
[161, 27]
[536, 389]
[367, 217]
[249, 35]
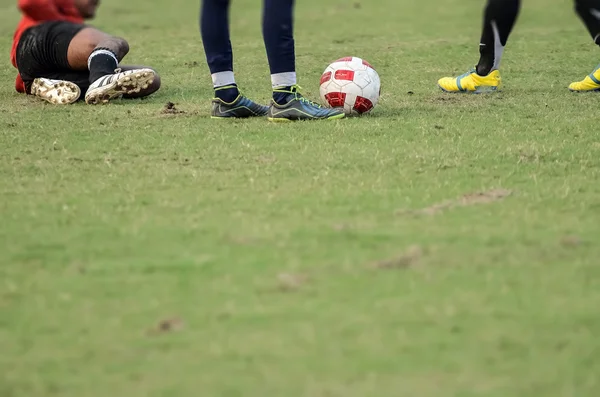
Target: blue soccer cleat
[241, 107]
[296, 107]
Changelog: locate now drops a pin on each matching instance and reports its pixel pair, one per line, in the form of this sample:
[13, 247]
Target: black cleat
[242, 107]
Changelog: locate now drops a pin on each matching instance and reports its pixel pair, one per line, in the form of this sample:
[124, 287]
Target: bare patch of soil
[410, 258]
[171, 109]
[291, 282]
[467, 200]
[167, 325]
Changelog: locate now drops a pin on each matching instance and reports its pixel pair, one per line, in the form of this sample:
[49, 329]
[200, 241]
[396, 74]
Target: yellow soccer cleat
[591, 82]
[471, 82]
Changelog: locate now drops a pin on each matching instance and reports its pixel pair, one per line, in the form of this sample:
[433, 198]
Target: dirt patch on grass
[170, 109]
[444, 99]
[287, 282]
[486, 197]
[167, 325]
[410, 258]
[571, 241]
[77, 268]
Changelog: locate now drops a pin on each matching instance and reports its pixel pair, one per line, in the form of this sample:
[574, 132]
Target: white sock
[221, 79]
[283, 79]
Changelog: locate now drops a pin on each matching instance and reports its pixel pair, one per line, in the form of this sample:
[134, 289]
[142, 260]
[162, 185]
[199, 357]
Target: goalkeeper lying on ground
[59, 57]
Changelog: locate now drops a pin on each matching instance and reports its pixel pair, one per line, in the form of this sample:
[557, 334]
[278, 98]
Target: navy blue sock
[214, 29]
[278, 34]
[228, 93]
[281, 98]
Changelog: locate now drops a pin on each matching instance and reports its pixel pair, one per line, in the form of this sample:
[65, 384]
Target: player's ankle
[101, 62]
[282, 95]
[484, 70]
[228, 93]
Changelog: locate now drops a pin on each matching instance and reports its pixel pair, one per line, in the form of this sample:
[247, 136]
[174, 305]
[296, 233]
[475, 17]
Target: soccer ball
[352, 84]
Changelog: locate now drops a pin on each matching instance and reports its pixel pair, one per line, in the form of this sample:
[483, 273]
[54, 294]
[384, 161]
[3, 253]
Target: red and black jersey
[38, 11]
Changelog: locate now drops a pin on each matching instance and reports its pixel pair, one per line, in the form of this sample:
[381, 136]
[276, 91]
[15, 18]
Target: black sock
[101, 62]
[281, 98]
[214, 29]
[228, 93]
[589, 12]
[278, 34]
[499, 18]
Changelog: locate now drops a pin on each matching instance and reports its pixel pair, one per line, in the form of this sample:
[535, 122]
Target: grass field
[444, 246]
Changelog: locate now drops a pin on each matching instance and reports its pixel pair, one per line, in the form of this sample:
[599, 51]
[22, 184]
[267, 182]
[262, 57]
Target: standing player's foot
[471, 82]
[590, 83]
[113, 86]
[241, 107]
[57, 92]
[295, 107]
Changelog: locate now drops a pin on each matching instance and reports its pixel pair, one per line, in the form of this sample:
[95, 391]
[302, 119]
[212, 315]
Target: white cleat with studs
[57, 92]
[113, 86]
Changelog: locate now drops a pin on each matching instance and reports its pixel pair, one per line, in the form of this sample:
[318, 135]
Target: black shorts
[42, 52]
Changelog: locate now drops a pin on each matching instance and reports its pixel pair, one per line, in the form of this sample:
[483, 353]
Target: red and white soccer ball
[352, 84]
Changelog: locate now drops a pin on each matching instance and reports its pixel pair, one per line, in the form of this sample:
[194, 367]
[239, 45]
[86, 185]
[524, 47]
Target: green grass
[271, 243]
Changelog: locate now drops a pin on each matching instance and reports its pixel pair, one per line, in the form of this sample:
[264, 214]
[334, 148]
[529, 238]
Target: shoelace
[308, 102]
[471, 71]
[240, 93]
[295, 90]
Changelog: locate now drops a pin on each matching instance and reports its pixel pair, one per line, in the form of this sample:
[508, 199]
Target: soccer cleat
[57, 92]
[300, 108]
[241, 107]
[471, 82]
[590, 83]
[113, 86]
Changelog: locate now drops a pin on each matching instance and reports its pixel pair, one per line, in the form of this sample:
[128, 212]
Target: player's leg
[589, 12]
[278, 34]
[61, 87]
[214, 29]
[41, 59]
[499, 18]
[66, 87]
[152, 88]
[100, 53]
